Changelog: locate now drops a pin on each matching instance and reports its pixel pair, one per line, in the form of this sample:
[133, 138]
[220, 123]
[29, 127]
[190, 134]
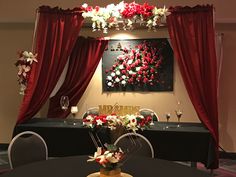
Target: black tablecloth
[79, 167]
[190, 142]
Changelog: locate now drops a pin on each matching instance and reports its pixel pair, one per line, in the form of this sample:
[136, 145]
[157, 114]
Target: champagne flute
[178, 113]
[64, 102]
[152, 115]
[167, 119]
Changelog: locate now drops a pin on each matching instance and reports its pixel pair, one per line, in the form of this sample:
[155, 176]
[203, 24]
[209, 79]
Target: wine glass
[64, 102]
[178, 113]
[152, 115]
[167, 119]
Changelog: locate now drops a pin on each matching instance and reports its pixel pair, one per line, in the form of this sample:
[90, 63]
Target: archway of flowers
[190, 29]
[124, 15]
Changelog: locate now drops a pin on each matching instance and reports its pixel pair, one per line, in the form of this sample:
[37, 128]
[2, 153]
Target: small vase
[110, 173]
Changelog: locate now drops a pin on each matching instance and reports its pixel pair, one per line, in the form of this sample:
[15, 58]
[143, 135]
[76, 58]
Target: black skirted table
[78, 166]
[189, 142]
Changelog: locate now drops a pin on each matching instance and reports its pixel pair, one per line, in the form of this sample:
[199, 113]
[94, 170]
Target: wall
[227, 94]
[14, 37]
[160, 102]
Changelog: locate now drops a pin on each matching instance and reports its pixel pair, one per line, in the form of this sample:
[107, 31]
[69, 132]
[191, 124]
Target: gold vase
[110, 173]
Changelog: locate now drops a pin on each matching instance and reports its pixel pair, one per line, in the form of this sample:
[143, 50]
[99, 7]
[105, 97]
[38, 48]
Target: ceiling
[23, 11]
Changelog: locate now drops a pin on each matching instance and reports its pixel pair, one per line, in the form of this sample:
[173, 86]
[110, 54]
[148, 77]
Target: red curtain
[83, 62]
[192, 36]
[56, 34]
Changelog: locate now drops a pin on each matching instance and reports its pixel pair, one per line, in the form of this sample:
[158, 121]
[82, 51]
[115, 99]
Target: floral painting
[138, 65]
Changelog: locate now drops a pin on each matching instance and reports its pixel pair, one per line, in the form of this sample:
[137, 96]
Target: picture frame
[141, 65]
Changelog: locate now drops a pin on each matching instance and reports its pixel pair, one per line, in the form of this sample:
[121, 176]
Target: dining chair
[135, 144]
[149, 112]
[92, 110]
[27, 147]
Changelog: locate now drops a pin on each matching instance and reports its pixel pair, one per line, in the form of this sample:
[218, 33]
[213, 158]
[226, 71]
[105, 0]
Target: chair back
[135, 144]
[148, 112]
[92, 111]
[27, 147]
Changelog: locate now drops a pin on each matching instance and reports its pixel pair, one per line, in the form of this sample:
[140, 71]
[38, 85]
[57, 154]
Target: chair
[27, 147]
[135, 144]
[92, 110]
[148, 112]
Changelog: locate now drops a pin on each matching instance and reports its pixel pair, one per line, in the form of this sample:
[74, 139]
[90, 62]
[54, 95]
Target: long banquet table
[66, 137]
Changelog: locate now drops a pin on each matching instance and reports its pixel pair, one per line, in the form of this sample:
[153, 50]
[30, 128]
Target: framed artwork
[137, 65]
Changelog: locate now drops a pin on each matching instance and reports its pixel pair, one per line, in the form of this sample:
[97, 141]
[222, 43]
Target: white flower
[129, 23]
[117, 79]
[110, 84]
[130, 62]
[131, 72]
[137, 68]
[117, 72]
[113, 74]
[99, 122]
[123, 76]
[98, 153]
[123, 82]
[121, 67]
[109, 78]
[132, 124]
[85, 5]
[111, 158]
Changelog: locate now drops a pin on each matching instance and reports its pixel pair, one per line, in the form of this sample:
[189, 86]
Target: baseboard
[3, 146]
[227, 155]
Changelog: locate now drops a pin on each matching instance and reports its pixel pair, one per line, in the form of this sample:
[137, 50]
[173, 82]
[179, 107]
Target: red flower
[152, 70]
[97, 8]
[145, 80]
[123, 71]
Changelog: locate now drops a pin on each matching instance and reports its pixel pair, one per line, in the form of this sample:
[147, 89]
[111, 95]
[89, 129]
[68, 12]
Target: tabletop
[77, 166]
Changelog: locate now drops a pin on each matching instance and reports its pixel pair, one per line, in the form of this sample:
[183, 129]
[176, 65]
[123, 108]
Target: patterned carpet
[227, 166]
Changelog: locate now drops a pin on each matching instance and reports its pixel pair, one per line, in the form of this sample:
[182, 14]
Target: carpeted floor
[227, 166]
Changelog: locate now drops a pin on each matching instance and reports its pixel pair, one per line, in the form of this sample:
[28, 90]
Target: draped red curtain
[192, 36]
[56, 34]
[83, 62]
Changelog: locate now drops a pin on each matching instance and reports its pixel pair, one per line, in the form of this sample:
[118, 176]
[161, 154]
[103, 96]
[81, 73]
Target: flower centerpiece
[24, 62]
[129, 122]
[125, 14]
[109, 157]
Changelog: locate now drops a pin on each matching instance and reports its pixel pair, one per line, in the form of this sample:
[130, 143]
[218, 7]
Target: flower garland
[24, 62]
[130, 122]
[138, 66]
[125, 13]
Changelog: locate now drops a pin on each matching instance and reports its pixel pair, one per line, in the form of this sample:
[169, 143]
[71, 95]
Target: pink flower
[145, 80]
[152, 70]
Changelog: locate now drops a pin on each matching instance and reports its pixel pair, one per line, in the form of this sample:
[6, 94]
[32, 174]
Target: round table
[77, 166]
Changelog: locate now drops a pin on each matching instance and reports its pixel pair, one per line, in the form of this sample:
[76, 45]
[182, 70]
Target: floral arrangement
[26, 59]
[125, 13]
[129, 122]
[109, 156]
[138, 66]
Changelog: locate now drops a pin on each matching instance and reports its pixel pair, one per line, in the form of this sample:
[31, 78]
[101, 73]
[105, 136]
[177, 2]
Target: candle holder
[74, 110]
